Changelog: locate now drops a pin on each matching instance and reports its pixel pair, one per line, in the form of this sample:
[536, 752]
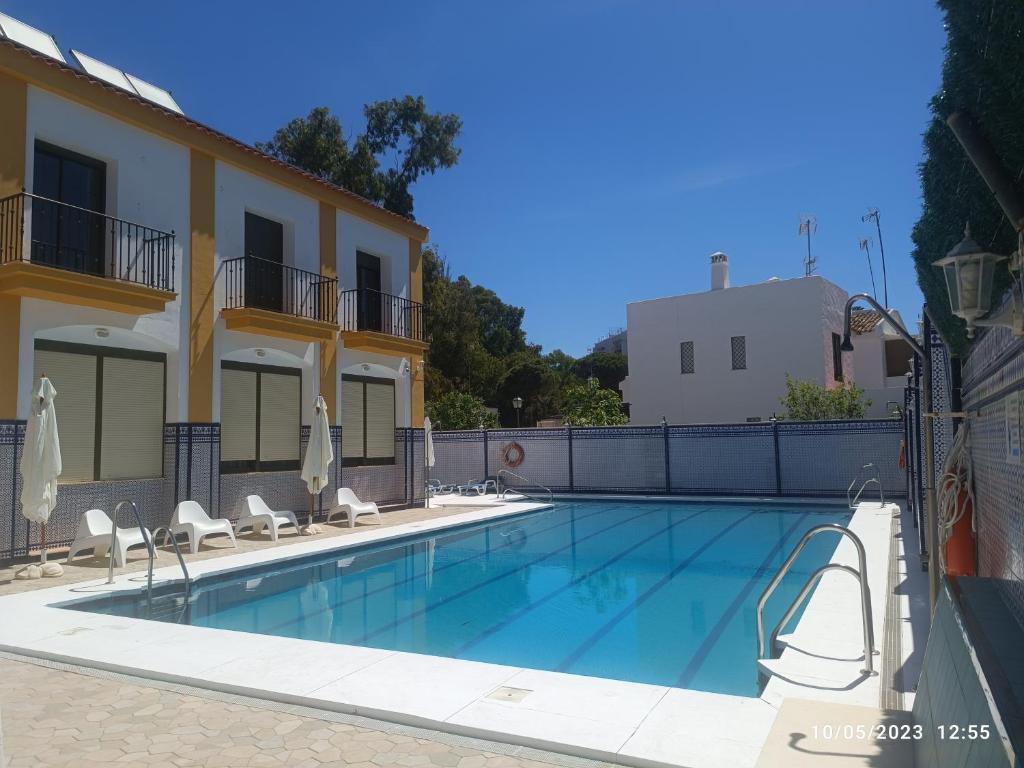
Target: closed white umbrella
[319, 455]
[40, 468]
[428, 458]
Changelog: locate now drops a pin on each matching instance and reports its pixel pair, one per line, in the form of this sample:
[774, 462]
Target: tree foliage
[460, 410]
[588, 404]
[809, 401]
[981, 74]
[401, 142]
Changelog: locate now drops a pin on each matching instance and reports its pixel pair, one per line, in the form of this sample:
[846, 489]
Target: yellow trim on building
[415, 271]
[24, 278]
[417, 391]
[202, 311]
[14, 98]
[268, 323]
[382, 343]
[79, 87]
[329, 268]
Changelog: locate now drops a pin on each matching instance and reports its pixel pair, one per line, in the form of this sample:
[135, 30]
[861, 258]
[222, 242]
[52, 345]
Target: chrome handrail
[177, 551]
[852, 503]
[860, 573]
[510, 473]
[113, 534]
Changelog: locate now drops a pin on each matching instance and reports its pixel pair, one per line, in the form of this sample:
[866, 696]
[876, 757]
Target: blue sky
[608, 147]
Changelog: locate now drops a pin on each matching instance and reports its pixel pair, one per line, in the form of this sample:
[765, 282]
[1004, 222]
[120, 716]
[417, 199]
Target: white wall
[148, 184]
[355, 234]
[787, 324]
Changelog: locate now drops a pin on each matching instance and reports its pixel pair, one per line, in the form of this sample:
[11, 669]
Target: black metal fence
[818, 458]
[258, 283]
[56, 234]
[363, 309]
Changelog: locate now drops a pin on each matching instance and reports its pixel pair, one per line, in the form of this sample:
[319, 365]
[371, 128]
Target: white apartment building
[722, 355]
[882, 360]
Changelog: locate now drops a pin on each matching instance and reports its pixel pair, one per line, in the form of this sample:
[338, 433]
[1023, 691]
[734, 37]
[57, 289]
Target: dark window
[739, 353]
[898, 355]
[110, 406]
[837, 357]
[369, 298]
[260, 417]
[69, 236]
[264, 249]
[367, 420]
[686, 357]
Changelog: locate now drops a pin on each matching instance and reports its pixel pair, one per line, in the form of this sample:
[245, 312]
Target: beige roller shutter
[380, 420]
[237, 415]
[133, 419]
[280, 402]
[351, 419]
[74, 378]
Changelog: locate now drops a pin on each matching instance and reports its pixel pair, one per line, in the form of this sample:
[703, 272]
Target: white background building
[723, 355]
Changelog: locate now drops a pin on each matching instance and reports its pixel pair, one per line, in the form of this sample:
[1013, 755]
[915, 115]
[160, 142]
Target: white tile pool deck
[643, 725]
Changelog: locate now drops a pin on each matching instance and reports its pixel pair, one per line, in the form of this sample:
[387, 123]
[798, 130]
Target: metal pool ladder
[859, 573]
[150, 548]
[852, 502]
[507, 488]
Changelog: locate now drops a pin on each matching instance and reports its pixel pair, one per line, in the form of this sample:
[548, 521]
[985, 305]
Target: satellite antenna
[125, 81]
[865, 245]
[30, 37]
[808, 226]
[873, 215]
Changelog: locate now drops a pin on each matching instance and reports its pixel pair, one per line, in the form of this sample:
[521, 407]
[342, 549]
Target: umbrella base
[38, 571]
[311, 530]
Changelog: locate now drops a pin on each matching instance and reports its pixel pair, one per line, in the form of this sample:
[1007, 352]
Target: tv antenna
[865, 245]
[873, 215]
[808, 226]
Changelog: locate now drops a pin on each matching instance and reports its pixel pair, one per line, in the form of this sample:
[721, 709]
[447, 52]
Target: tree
[459, 410]
[529, 378]
[981, 74]
[609, 368]
[590, 405]
[416, 141]
[809, 401]
[501, 324]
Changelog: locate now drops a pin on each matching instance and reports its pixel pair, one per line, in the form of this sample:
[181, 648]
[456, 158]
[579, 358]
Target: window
[739, 353]
[898, 355]
[837, 357]
[264, 270]
[686, 357]
[260, 413]
[367, 420]
[110, 409]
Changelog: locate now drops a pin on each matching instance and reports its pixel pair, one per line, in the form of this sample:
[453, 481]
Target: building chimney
[719, 271]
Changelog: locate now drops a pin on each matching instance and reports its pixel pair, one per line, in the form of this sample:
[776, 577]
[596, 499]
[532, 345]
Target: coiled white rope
[957, 479]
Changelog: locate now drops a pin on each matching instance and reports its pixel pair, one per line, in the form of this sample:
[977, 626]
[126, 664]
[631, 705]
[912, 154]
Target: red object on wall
[961, 559]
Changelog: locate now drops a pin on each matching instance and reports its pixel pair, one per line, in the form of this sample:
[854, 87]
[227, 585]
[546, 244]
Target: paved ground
[52, 717]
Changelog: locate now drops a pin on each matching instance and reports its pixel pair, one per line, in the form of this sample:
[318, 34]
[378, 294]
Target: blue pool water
[652, 592]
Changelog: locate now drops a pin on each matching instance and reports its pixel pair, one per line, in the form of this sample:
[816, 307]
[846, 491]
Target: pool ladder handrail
[150, 548]
[852, 503]
[860, 573]
[507, 488]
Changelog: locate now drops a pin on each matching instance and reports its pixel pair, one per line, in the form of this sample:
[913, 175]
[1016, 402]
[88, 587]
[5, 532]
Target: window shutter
[280, 397]
[237, 415]
[133, 419]
[351, 419]
[686, 357]
[380, 420]
[74, 378]
[739, 353]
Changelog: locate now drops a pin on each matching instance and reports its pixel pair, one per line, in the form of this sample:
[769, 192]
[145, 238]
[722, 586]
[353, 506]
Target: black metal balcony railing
[367, 310]
[56, 234]
[258, 283]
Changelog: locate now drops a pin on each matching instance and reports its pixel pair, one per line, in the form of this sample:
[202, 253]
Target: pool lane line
[417, 576]
[609, 625]
[458, 595]
[579, 579]
[700, 656]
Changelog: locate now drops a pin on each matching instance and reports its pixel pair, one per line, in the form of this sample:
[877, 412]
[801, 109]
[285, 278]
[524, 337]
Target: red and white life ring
[512, 454]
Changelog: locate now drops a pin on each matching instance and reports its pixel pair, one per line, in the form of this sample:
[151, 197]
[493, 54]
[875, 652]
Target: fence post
[486, 458]
[668, 464]
[778, 465]
[572, 482]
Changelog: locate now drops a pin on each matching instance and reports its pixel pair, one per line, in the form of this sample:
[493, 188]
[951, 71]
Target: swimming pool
[643, 591]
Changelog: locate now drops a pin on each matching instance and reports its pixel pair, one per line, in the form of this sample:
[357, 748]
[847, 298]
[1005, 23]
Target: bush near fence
[814, 458]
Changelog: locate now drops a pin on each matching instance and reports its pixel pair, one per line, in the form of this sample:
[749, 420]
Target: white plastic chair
[258, 516]
[350, 505]
[94, 529]
[191, 519]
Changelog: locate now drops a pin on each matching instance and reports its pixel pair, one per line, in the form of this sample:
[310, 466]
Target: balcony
[60, 252]
[380, 322]
[273, 299]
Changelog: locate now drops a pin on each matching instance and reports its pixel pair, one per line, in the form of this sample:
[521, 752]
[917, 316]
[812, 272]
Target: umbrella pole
[42, 543]
[311, 510]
